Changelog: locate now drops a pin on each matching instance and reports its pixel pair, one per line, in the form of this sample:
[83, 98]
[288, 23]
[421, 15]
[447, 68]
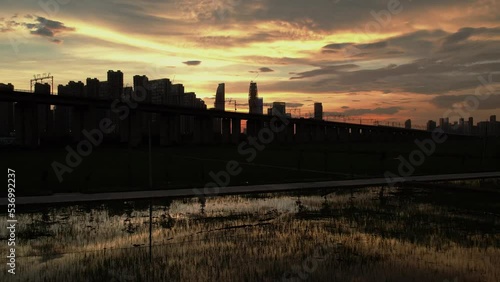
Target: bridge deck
[141, 195]
[22, 97]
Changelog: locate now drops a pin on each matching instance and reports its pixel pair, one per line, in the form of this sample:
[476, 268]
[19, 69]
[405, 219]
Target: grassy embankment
[120, 169]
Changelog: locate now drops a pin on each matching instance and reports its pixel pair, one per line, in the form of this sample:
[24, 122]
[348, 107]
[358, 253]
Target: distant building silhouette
[469, 128]
[431, 125]
[408, 124]
[177, 93]
[115, 84]
[279, 108]
[253, 99]
[103, 90]
[63, 114]
[444, 124]
[318, 111]
[141, 88]
[461, 126]
[220, 97]
[160, 90]
[220, 104]
[6, 113]
[259, 109]
[494, 126]
[92, 88]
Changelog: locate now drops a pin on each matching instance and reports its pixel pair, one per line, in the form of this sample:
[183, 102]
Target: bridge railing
[23, 90]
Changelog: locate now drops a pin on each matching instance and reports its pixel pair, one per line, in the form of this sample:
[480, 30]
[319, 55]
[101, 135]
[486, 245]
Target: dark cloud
[450, 101]
[326, 70]
[263, 69]
[337, 46]
[428, 65]
[467, 32]
[192, 63]
[340, 46]
[47, 28]
[266, 69]
[41, 27]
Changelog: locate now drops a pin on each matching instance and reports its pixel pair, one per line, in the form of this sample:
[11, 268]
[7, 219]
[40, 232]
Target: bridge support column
[226, 130]
[343, 134]
[355, 134]
[302, 132]
[207, 130]
[388, 136]
[90, 118]
[83, 118]
[174, 129]
[319, 133]
[27, 124]
[252, 127]
[163, 128]
[77, 121]
[235, 130]
[135, 128]
[198, 130]
[331, 134]
[289, 132]
[280, 137]
[62, 120]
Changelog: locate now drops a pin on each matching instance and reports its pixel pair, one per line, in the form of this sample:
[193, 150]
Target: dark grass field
[115, 168]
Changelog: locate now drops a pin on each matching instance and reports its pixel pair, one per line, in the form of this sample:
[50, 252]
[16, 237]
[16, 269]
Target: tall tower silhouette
[253, 96]
[220, 97]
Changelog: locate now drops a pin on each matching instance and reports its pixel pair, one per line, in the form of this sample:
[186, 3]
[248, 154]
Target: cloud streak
[41, 26]
[192, 63]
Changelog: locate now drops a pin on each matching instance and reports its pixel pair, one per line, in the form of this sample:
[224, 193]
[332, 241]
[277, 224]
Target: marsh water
[367, 234]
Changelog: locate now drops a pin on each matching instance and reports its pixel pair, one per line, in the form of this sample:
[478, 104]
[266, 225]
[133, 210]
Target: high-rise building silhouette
[253, 96]
[6, 113]
[279, 108]
[141, 88]
[92, 88]
[444, 124]
[220, 97]
[408, 124]
[103, 90]
[259, 108]
[318, 111]
[220, 104]
[160, 90]
[64, 115]
[115, 84]
[461, 126]
[470, 126]
[431, 125]
[177, 91]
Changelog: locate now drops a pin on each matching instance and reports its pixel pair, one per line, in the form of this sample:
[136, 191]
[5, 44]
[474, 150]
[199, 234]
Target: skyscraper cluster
[61, 121]
[490, 127]
[255, 104]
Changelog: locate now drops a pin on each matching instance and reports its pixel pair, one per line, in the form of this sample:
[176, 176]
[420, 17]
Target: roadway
[143, 195]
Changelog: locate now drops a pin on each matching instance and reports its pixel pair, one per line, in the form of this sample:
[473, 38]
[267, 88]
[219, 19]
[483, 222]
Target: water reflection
[371, 234]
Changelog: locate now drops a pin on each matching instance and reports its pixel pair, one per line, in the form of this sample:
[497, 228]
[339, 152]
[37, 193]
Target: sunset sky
[376, 59]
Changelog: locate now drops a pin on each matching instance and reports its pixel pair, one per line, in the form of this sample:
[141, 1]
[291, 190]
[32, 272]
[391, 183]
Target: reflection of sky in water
[396, 235]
